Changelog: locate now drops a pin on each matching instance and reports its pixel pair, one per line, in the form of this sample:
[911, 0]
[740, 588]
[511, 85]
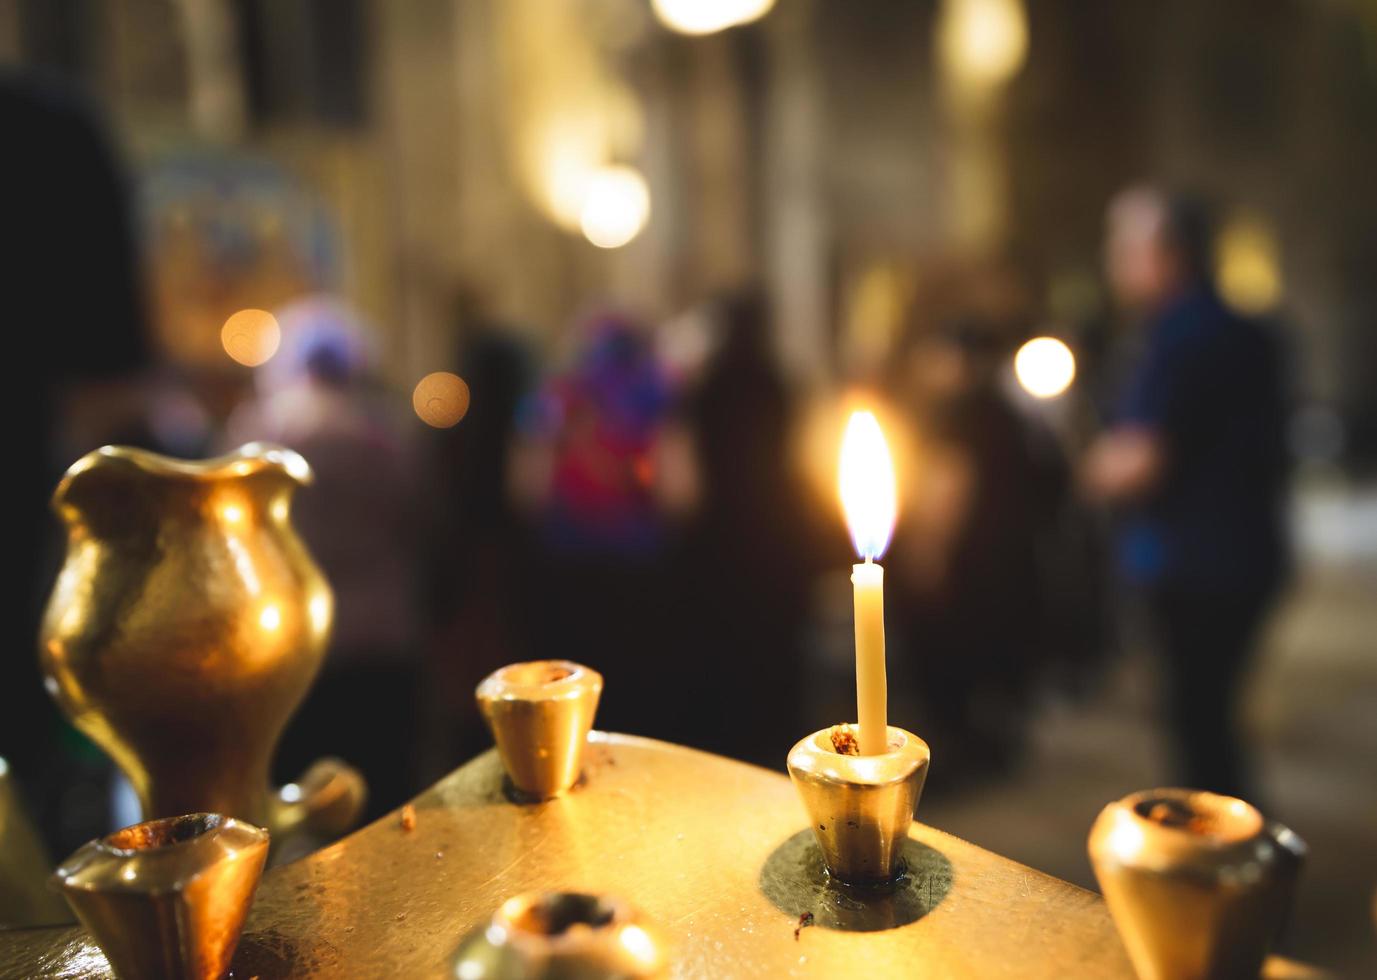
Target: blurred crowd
[647, 512]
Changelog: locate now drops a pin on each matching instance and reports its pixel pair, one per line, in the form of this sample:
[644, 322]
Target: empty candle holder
[559, 935]
[1198, 884]
[167, 898]
[861, 806]
[540, 714]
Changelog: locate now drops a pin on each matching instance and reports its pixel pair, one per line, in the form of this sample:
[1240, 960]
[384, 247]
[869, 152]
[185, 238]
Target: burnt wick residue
[1179, 814]
[556, 914]
[166, 832]
[844, 740]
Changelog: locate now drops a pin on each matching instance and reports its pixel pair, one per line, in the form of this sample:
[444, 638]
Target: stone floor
[1312, 711]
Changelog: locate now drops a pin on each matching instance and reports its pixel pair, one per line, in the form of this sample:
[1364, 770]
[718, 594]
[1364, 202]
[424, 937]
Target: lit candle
[868, 498]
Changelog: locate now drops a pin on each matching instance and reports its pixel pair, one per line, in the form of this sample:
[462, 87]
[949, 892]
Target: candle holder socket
[1198, 884]
[562, 936]
[167, 898]
[540, 714]
[861, 806]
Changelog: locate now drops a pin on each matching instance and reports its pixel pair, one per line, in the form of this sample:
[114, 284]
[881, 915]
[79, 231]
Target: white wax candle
[868, 580]
[869, 497]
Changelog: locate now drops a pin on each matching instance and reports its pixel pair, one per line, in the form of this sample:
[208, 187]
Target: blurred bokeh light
[1045, 367]
[441, 399]
[617, 207]
[1248, 263]
[251, 337]
[983, 42]
[709, 16]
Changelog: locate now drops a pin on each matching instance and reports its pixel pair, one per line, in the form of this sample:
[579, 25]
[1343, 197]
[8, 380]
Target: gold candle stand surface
[716, 854]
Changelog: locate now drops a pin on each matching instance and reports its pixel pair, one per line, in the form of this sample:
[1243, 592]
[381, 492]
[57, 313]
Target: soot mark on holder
[796, 882]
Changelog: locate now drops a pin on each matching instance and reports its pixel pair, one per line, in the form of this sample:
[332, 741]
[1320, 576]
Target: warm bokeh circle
[441, 399]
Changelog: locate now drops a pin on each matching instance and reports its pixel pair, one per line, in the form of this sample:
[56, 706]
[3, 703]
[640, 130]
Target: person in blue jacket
[1194, 461]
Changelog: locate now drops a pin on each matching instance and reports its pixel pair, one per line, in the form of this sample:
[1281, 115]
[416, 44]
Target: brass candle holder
[167, 898]
[861, 806]
[540, 714]
[1198, 884]
[562, 936]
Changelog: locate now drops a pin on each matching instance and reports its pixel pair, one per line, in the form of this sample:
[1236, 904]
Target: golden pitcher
[186, 626]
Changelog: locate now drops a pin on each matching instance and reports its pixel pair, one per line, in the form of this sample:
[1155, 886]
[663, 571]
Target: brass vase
[185, 627]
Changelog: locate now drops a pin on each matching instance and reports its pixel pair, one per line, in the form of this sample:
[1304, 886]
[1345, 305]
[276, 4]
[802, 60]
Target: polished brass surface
[25, 899]
[700, 844]
[683, 835]
[540, 714]
[860, 806]
[562, 936]
[187, 623]
[1198, 883]
[167, 898]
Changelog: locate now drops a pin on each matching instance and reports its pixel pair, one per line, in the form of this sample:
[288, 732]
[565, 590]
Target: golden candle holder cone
[860, 806]
[540, 714]
[562, 936]
[1198, 884]
[167, 899]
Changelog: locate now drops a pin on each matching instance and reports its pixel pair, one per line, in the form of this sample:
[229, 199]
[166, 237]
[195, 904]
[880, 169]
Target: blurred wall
[826, 147]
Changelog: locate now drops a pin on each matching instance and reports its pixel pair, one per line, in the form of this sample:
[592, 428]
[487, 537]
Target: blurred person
[967, 564]
[744, 560]
[586, 474]
[361, 521]
[75, 312]
[1194, 461]
[480, 550]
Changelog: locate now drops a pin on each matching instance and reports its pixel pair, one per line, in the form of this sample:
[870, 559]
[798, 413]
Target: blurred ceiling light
[616, 208]
[569, 155]
[441, 399]
[566, 111]
[251, 337]
[565, 145]
[1045, 367]
[983, 42]
[708, 16]
[1247, 258]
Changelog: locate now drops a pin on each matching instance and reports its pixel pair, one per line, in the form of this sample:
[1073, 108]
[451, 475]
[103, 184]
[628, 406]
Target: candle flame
[868, 493]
